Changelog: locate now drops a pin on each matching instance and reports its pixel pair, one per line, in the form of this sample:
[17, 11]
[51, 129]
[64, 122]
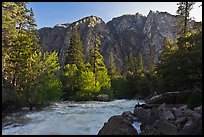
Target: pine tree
[18, 42]
[113, 70]
[181, 68]
[139, 64]
[42, 84]
[98, 67]
[75, 53]
[151, 59]
[131, 62]
[125, 67]
[184, 12]
[23, 63]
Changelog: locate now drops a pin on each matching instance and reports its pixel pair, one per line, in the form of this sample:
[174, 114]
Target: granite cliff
[137, 32]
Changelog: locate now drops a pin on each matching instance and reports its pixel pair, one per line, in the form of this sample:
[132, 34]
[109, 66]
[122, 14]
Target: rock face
[103, 97]
[136, 32]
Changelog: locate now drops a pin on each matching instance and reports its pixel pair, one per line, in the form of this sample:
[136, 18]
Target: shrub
[49, 90]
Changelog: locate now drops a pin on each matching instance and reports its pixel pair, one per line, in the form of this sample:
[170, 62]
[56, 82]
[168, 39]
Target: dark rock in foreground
[165, 119]
[119, 125]
[168, 120]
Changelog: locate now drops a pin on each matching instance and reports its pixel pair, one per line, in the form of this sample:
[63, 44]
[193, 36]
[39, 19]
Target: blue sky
[48, 14]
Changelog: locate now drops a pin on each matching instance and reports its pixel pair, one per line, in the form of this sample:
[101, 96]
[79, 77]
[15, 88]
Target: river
[67, 118]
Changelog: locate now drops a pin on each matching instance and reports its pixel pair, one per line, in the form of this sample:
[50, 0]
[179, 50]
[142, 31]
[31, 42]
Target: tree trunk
[186, 17]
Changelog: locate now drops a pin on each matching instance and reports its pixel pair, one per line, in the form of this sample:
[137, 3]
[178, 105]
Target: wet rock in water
[168, 120]
[145, 106]
[117, 125]
[154, 116]
[129, 116]
[103, 97]
[142, 114]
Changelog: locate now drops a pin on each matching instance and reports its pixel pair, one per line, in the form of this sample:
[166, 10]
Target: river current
[67, 118]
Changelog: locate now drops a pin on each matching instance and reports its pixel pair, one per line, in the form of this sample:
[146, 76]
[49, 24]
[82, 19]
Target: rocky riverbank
[157, 119]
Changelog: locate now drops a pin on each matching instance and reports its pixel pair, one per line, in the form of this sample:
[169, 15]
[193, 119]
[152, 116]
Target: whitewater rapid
[67, 118]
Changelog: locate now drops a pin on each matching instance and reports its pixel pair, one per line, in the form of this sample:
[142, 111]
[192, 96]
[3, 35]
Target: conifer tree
[98, 67]
[18, 39]
[75, 53]
[184, 9]
[113, 70]
[151, 59]
[139, 64]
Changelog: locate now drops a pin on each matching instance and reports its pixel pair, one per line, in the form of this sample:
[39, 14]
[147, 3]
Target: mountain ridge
[137, 32]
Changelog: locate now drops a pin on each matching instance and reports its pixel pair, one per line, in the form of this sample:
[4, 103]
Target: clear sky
[48, 14]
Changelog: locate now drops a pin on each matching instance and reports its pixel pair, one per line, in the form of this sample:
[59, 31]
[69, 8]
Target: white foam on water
[71, 118]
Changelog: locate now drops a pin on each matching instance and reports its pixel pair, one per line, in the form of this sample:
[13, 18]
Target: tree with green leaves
[42, 83]
[138, 63]
[184, 9]
[18, 39]
[98, 67]
[113, 69]
[181, 68]
[24, 66]
[151, 62]
[75, 53]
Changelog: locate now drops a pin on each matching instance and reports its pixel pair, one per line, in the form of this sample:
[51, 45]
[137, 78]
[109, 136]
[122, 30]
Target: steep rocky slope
[136, 32]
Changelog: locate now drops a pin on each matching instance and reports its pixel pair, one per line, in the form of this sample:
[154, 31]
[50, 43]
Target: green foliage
[181, 68]
[75, 53]
[98, 67]
[70, 78]
[120, 88]
[87, 82]
[113, 70]
[151, 63]
[50, 89]
[42, 84]
[195, 100]
[183, 10]
[133, 64]
[143, 83]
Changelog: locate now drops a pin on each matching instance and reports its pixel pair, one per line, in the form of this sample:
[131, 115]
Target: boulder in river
[117, 125]
[103, 97]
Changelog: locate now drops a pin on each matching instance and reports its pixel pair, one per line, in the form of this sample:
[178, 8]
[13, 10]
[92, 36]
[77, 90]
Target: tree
[151, 59]
[184, 9]
[18, 38]
[113, 70]
[70, 78]
[139, 62]
[75, 53]
[98, 67]
[125, 67]
[41, 82]
[182, 68]
[31, 72]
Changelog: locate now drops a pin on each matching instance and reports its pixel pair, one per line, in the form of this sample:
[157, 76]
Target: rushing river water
[67, 118]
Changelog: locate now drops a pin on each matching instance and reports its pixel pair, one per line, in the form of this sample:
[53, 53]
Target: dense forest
[33, 77]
